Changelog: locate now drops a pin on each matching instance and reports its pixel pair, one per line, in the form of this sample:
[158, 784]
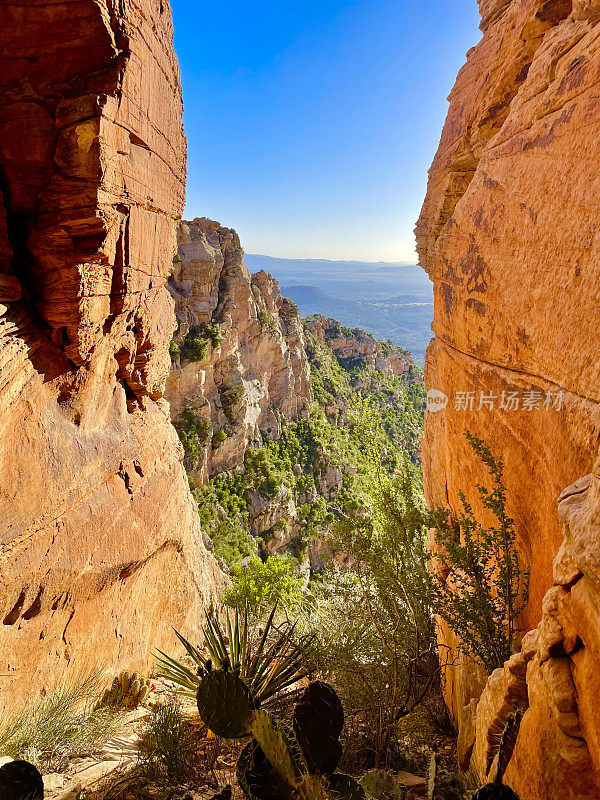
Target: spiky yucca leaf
[276, 662]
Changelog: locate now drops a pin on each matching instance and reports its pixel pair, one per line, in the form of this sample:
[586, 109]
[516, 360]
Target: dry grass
[62, 725]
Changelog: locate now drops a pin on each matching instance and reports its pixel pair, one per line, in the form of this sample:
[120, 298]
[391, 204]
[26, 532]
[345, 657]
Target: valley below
[390, 301]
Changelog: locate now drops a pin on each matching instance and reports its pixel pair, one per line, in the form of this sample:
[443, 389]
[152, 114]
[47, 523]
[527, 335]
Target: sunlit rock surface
[100, 547]
[508, 234]
[259, 361]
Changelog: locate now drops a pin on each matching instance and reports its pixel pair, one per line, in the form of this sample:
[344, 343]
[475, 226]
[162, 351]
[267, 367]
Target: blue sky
[311, 125]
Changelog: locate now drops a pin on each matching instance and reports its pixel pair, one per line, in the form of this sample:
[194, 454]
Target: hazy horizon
[334, 260]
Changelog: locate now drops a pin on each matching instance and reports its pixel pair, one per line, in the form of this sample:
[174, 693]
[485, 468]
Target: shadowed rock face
[509, 235]
[100, 548]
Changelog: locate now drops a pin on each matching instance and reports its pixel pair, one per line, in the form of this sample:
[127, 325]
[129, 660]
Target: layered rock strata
[100, 547]
[239, 363]
[509, 236]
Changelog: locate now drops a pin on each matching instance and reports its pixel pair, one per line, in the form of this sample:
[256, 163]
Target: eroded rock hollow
[101, 551]
[509, 236]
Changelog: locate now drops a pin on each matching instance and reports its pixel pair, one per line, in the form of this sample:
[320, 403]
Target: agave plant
[274, 663]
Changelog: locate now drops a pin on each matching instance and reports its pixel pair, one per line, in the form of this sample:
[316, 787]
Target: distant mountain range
[391, 301]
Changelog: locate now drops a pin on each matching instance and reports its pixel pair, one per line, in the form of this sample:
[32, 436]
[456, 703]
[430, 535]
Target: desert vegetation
[321, 674]
[358, 577]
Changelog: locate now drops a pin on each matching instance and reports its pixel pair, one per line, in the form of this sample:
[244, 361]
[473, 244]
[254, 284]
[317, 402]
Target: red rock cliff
[356, 347]
[253, 374]
[100, 548]
[509, 235]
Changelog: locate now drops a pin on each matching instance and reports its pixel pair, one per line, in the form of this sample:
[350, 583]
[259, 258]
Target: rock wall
[100, 547]
[251, 373]
[509, 235]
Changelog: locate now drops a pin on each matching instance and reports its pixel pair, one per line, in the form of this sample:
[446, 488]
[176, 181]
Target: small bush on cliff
[213, 332]
[195, 345]
[193, 434]
[195, 348]
[219, 437]
[479, 586]
[231, 400]
[268, 322]
[174, 350]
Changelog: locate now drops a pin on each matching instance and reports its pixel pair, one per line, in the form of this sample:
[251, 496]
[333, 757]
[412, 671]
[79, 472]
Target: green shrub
[223, 512]
[290, 308]
[259, 584]
[174, 350]
[231, 399]
[63, 725]
[195, 345]
[268, 322]
[374, 615]
[176, 258]
[219, 437]
[195, 348]
[193, 434]
[214, 333]
[489, 588]
[168, 749]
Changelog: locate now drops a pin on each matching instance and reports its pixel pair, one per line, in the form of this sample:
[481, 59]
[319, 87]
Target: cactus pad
[257, 777]
[343, 787]
[381, 784]
[20, 780]
[495, 791]
[318, 722]
[225, 704]
[275, 745]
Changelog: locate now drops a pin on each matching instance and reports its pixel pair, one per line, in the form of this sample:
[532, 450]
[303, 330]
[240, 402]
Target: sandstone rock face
[249, 373]
[509, 235]
[100, 547]
[354, 346]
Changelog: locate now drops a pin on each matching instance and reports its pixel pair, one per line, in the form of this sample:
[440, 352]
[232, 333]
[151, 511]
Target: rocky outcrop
[355, 347]
[239, 364]
[508, 234]
[100, 547]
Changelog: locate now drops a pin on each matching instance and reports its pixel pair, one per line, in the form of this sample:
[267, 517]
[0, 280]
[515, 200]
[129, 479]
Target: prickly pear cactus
[276, 765]
[343, 787]
[20, 780]
[382, 785]
[128, 691]
[225, 704]
[259, 779]
[495, 791]
[318, 723]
